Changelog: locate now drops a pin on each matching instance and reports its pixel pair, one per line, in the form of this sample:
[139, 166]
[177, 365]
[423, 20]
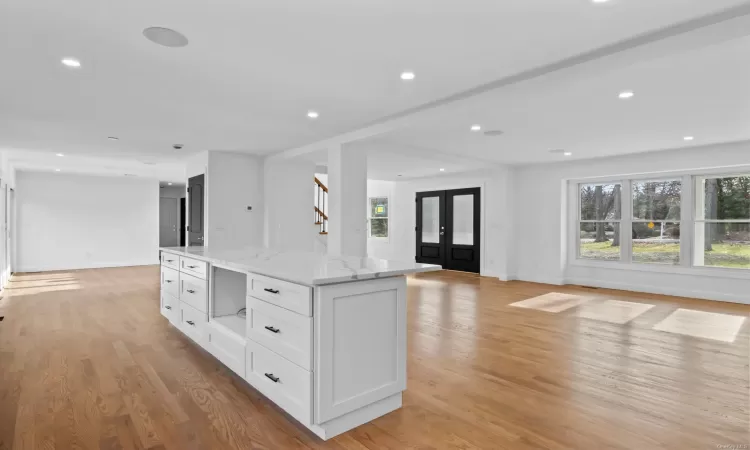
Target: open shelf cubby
[229, 297]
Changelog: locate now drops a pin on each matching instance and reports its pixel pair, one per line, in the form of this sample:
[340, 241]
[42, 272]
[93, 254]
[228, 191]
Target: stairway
[321, 217]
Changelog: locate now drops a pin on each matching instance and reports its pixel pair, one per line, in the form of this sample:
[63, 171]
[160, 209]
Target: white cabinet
[192, 322]
[360, 351]
[285, 332]
[227, 346]
[293, 297]
[193, 267]
[170, 281]
[332, 356]
[193, 291]
[282, 381]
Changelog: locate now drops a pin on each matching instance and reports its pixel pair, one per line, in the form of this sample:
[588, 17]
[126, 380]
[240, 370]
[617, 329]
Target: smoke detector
[165, 36]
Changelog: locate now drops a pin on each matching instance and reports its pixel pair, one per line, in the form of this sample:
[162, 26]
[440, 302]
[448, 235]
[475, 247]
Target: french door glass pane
[722, 245]
[431, 220]
[599, 240]
[656, 242]
[463, 219]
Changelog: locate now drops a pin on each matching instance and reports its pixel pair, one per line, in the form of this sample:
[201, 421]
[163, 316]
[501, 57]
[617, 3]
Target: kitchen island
[322, 337]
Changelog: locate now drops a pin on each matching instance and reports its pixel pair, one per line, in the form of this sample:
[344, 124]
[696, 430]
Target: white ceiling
[253, 69]
[702, 93]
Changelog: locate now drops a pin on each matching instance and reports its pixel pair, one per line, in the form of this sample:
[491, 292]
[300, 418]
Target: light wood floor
[87, 361]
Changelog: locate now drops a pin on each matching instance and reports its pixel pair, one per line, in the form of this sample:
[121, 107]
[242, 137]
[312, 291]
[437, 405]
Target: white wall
[79, 221]
[172, 192]
[497, 202]
[234, 182]
[542, 221]
[289, 223]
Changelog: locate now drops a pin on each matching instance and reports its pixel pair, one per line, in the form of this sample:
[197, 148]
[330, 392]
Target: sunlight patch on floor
[39, 283]
[553, 302]
[701, 324]
[613, 311]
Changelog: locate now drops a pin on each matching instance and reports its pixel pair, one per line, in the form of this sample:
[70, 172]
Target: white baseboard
[662, 290]
[538, 279]
[99, 265]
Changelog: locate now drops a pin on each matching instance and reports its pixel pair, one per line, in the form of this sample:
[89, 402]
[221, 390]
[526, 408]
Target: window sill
[715, 272]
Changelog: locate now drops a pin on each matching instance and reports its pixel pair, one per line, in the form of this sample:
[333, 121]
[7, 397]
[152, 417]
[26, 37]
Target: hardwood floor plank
[87, 361]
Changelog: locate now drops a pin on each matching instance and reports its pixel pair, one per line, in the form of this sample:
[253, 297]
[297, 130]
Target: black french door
[448, 229]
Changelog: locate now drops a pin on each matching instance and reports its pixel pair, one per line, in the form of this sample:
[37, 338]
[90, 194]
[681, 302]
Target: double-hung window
[378, 217]
[656, 221]
[644, 221]
[722, 222]
[600, 211]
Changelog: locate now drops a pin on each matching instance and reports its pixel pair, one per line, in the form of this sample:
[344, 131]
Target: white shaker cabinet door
[360, 345]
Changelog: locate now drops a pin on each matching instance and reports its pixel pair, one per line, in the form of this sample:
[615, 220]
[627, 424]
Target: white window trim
[688, 217]
[369, 217]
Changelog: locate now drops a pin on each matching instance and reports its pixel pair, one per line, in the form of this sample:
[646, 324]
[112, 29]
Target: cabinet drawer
[227, 347]
[171, 260]
[285, 332]
[193, 292]
[170, 281]
[291, 296]
[193, 323]
[285, 383]
[193, 267]
[170, 308]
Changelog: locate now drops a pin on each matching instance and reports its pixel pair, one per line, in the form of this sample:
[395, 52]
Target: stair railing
[321, 218]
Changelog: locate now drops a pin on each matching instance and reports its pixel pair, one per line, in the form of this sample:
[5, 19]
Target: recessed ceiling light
[567, 153]
[60, 154]
[442, 170]
[113, 138]
[626, 94]
[313, 114]
[57, 170]
[165, 36]
[688, 138]
[71, 62]
[407, 76]
[476, 127]
[599, 1]
[169, 184]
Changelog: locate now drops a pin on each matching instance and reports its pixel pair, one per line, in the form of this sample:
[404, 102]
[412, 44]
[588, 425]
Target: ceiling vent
[493, 133]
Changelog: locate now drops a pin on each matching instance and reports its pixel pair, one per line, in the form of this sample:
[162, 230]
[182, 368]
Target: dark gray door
[448, 229]
[431, 228]
[196, 188]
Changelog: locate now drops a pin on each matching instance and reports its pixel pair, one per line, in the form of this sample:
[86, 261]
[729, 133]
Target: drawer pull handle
[167, 281]
[190, 322]
[169, 260]
[192, 267]
[273, 291]
[272, 378]
[168, 307]
[272, 329]
[190, 291]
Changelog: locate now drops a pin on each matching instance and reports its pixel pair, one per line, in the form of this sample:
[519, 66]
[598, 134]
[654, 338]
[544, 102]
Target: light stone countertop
[311, 269]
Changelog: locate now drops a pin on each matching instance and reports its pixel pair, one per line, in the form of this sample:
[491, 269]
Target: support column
[347, 202]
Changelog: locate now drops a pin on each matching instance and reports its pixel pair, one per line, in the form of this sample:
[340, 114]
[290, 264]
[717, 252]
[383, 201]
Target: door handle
[190, 291]
[442, 233]
[273, 291]
[272, 329]
[272, 378]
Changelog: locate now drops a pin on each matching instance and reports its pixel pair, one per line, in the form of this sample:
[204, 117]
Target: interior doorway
[448, 229]
[169, 222]
[195, 209]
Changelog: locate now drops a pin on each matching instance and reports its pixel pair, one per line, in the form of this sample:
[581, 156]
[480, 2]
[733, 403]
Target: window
[600, 210]
[378, 217]
[656, 221]
[651, 226]
[722, 222]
